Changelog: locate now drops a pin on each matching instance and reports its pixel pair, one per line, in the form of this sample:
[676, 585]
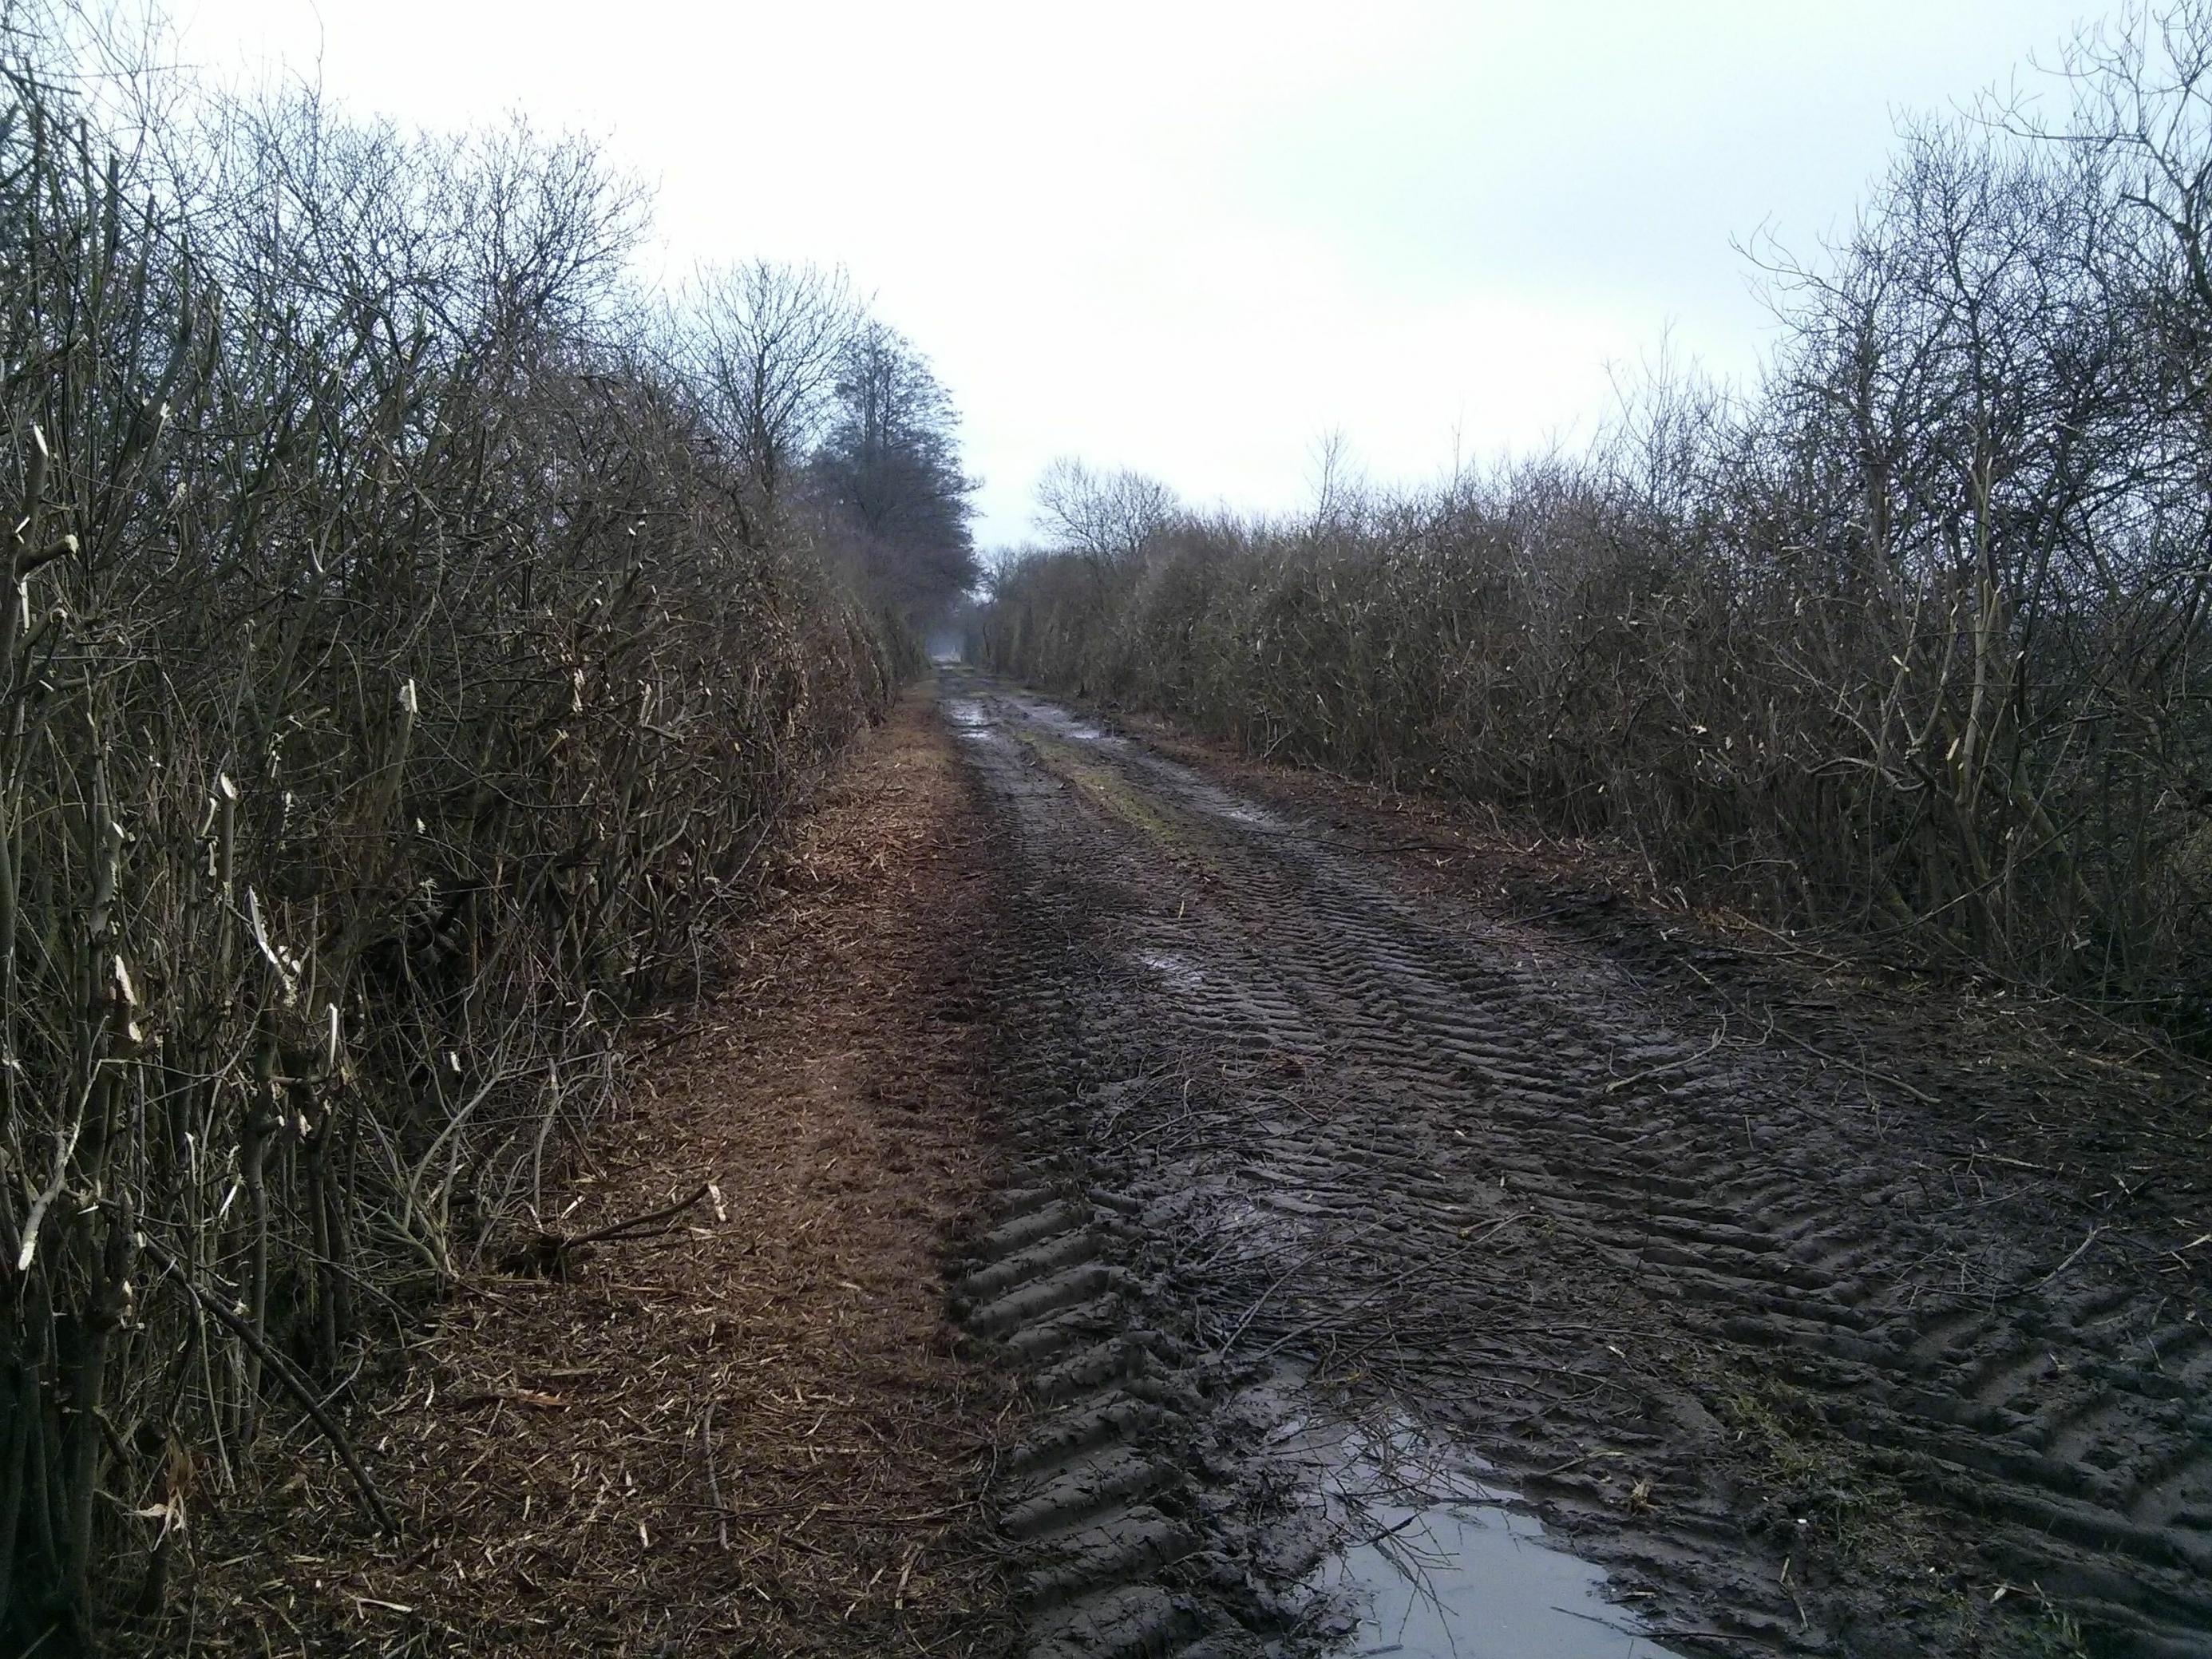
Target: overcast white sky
[1192, 237]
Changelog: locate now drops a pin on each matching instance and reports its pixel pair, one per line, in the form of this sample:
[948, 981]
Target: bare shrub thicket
[1909, 641]
[404, 660]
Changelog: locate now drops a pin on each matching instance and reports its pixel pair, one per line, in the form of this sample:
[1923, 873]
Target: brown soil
[748, 1435]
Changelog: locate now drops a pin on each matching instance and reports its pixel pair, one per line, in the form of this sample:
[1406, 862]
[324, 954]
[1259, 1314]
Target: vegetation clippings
[746, 1435]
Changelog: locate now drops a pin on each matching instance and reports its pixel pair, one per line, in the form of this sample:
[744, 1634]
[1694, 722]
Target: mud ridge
[1102, 1500]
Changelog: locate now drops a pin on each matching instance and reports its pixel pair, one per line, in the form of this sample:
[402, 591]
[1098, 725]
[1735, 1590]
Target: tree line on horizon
[1905, 643]
[416, 632]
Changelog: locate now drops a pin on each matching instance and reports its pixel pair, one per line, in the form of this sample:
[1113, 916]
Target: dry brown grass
[748, 1435]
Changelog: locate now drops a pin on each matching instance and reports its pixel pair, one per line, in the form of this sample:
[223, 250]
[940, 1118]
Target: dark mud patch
[1741, 1291]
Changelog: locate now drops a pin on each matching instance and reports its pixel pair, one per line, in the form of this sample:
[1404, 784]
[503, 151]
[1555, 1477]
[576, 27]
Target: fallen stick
[1571, 1463]
[1820, 1054]
[275, 1364]
[713, 1482]
[1229, 1341]
[2072, 1256]
[1337, 1314]
[545, 1253]
[1670, 1067]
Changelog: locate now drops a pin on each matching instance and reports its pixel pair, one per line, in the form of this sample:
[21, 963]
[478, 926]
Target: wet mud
[1391, 1272]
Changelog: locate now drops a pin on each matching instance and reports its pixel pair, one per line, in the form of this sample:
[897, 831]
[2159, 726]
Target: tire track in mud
[1080, 1491]
[1101, 1499]
[1278, 1120]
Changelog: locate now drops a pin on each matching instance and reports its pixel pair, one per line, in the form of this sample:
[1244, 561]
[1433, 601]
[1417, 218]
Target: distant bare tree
[2142, 116]
[1108, 516]
[1339, 486]
[770, 342]
[888, 476]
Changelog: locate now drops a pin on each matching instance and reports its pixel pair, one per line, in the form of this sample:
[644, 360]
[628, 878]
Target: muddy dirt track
[1818, 1333]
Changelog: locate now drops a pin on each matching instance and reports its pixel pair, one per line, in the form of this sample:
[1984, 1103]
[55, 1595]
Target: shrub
[396, 684]
[1909, 640]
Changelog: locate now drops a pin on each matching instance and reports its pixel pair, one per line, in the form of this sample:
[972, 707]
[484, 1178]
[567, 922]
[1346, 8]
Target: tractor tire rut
[1732, 1305]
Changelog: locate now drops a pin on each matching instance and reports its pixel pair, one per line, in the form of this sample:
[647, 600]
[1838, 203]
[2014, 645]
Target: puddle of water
[1252, 815]
[1177, 970]
[1441, 1566]
[969, 719]
[1064, 723]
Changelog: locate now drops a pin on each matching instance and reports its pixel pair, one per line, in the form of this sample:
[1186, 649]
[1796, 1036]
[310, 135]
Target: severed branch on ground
[546, 1254]
[275, 1364]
